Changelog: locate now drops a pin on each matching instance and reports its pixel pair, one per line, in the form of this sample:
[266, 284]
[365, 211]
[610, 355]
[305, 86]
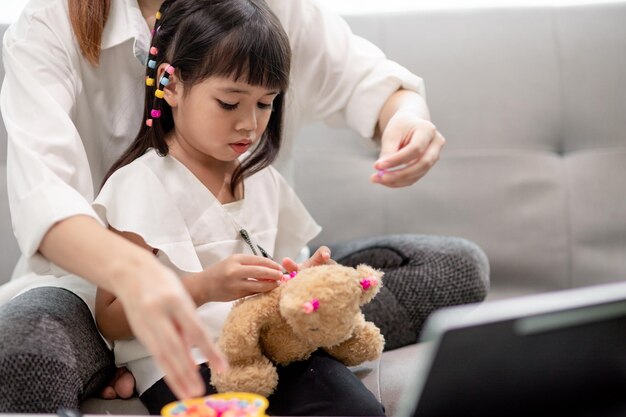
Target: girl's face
[218, 118]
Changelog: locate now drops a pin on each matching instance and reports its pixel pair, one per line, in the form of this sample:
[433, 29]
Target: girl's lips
[240, 147]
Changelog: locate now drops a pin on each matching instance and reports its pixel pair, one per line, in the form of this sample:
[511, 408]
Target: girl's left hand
[320, 257]
[410, 146]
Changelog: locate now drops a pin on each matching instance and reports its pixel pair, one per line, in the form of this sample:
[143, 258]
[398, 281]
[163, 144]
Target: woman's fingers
[174, 357]
[155, 315]
[410, 172]
[197, 335]
[410, 146]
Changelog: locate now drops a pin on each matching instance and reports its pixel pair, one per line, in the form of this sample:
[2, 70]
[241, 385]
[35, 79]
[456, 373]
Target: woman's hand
[235, 277]
[162, 315]
[410, 143]
[320, 257]
[158, 308]
[410, 146]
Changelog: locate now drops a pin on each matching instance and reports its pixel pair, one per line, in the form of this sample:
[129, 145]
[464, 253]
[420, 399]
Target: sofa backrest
[531, 101]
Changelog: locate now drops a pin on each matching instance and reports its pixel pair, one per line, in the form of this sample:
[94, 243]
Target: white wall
[10, 9]
[371, 6]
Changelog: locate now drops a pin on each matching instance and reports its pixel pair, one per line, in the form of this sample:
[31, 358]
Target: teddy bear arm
[259, 376]
[366, 344]
[240, 337]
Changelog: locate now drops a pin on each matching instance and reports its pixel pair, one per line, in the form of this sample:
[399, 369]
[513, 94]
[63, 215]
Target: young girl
[196, 189]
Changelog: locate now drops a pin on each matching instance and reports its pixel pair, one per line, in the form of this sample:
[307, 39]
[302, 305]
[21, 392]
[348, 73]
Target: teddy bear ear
[370, 281]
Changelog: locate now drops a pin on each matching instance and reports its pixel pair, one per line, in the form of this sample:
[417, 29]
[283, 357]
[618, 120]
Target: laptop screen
[562, 353]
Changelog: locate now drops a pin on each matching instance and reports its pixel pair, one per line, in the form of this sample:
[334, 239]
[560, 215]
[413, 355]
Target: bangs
[259, 63]
[250, 51]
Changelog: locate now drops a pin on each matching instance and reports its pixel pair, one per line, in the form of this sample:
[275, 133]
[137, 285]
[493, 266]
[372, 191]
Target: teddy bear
[319, 307]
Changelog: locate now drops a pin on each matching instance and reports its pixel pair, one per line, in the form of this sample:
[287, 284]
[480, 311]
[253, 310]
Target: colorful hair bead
[149, 81]
[159, 93]
[154, 50]
[164, 81]
[149, 122]
[158, 15]
[155, 113]
[152, 64]
[170, 69]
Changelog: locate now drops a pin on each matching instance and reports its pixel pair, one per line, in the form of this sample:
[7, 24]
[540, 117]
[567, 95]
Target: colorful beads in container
[228, 404]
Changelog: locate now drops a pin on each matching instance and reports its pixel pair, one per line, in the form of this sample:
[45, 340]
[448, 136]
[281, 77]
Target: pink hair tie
[155, 113]
[368, 282]
[149, 122]
[311, 306]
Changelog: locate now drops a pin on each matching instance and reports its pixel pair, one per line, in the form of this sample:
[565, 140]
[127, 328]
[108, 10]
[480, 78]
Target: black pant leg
[321, 386]
[159, 395]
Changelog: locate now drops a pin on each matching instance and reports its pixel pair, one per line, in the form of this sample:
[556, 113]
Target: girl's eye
[227, 106]
[265, 106]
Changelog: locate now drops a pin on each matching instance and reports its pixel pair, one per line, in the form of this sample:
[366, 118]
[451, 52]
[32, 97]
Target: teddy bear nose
[314, 329]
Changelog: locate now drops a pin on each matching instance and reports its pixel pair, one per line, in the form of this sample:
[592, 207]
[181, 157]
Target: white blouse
[68, 121]
[159, 199]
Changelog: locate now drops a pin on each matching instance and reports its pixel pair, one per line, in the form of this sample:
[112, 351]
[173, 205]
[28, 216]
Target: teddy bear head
[321, 304]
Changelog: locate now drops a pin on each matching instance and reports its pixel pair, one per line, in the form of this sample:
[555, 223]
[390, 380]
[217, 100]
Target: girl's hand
[163, 317]
[237, 276]
[320, 257]
[410, 146]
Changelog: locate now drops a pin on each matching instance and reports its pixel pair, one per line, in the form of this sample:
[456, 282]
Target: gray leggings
[51, 355]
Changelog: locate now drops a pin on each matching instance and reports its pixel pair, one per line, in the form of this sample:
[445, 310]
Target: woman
[78, 66]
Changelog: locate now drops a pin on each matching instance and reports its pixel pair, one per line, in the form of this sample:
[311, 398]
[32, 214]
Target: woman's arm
[224, 281]
[158, 307]
[110, 316]
[50, 189]
[356, 85]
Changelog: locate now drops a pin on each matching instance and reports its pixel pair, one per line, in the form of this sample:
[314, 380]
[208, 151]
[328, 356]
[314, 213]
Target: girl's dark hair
[238, 39]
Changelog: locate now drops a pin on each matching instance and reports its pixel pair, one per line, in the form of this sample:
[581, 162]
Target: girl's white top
[159, 199]
[68, 121]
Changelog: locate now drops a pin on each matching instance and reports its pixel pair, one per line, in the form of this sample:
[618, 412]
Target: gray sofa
[532, 101]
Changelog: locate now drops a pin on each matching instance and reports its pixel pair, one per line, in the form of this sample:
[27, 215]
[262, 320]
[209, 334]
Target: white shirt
[164, 203]
[67, 121]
